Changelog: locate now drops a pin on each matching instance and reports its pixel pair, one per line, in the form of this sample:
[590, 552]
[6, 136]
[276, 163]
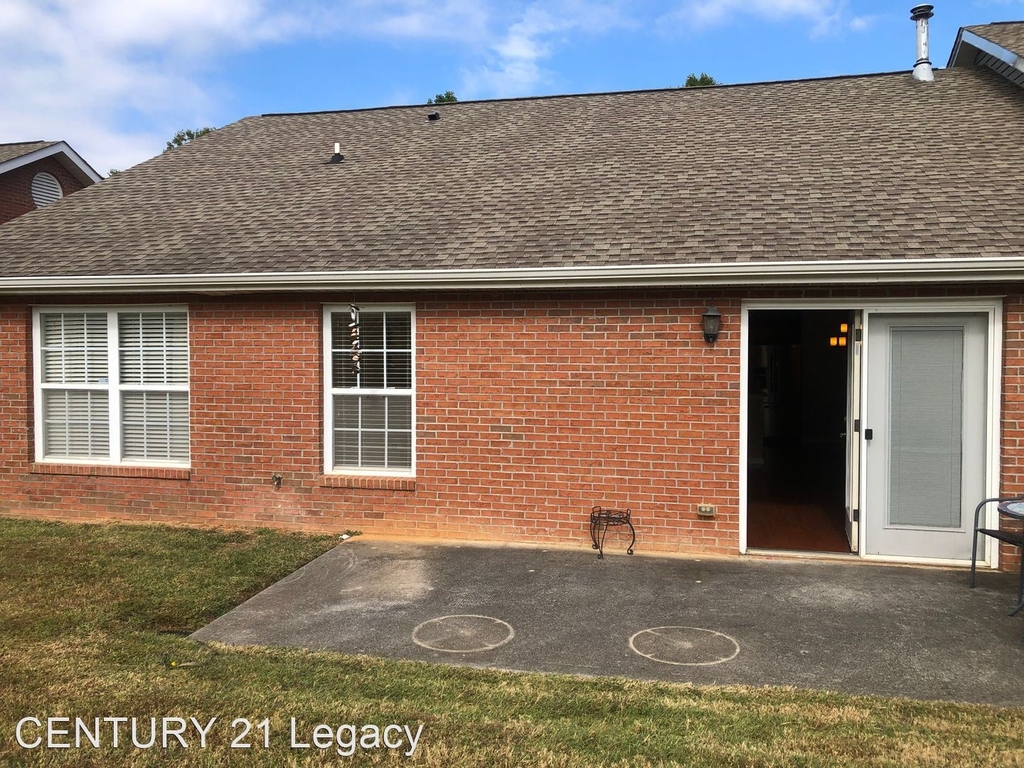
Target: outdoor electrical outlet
[705, 510]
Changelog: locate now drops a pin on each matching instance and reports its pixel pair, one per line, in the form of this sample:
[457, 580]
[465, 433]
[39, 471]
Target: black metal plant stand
[603, 518]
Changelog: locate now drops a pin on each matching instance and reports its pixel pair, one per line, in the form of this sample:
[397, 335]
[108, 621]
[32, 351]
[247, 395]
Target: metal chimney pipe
[923, 66]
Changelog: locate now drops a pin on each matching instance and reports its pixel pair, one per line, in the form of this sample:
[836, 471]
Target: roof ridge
[994, 24]
[19, 143]
[631, 91]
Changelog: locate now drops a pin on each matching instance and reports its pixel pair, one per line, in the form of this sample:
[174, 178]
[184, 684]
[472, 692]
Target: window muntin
[370, 424]
[112, 386]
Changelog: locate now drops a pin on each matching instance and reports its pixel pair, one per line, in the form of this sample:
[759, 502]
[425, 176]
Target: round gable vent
[45, 189]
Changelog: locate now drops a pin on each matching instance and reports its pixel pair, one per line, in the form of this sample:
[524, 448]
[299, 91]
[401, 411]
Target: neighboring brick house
[34, 174]
[531, 277]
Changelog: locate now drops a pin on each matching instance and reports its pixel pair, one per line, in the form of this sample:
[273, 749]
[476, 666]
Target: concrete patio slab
[851, 627]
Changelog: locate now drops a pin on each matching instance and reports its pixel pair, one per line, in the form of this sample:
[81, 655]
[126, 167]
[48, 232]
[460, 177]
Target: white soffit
[987, 46]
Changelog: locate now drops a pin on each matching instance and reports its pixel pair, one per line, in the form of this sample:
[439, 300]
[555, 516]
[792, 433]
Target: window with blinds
[153, 361]
[112, 386]
[75, 375]
[369, 407]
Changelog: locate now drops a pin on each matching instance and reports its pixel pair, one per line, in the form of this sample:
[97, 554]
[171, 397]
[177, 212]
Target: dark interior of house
[796, 424]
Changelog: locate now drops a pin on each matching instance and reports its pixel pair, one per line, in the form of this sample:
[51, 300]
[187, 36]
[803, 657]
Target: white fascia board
[77, 164]
[1007, 56]
[776, 273]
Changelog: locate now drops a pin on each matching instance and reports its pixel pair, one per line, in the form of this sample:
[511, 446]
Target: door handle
[868, 434]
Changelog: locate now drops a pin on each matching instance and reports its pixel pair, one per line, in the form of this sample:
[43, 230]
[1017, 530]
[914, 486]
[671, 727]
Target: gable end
[972, 49]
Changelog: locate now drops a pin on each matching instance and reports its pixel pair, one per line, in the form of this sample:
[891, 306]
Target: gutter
[774, 273]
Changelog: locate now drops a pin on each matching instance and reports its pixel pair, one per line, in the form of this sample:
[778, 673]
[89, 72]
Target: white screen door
[924, 433]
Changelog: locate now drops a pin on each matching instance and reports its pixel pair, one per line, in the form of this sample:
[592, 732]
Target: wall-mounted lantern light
[711, 320]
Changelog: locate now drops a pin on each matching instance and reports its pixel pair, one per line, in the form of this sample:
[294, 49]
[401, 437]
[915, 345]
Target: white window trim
[329, 392]
[113, 387]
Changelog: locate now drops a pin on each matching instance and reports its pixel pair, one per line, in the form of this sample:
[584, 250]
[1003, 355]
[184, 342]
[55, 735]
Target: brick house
[531, 278]
[34, 174]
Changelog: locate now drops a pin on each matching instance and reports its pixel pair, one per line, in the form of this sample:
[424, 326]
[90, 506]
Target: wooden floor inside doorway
[800, 526]
[799, 509]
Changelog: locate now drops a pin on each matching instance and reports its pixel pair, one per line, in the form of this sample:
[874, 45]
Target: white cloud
[824, 16]
[84, 70]
[457, 20]
[862, 23]
[74, 70]
[516, 62]
[116, 78]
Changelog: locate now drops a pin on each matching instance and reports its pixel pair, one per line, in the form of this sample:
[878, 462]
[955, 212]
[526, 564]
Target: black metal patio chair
[1012, 508]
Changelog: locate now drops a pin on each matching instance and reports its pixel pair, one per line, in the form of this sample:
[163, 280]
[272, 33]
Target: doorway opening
[799, 364]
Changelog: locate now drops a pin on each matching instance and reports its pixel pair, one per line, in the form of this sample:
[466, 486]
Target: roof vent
[434, 116]
[923, 66]
[45, 189]
[337, 157]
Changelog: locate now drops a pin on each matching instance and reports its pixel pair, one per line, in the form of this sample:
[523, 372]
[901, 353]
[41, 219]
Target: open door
[853, 431]
[797, 388]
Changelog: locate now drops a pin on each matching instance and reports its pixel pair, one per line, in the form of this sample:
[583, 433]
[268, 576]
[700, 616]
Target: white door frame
[992, 306]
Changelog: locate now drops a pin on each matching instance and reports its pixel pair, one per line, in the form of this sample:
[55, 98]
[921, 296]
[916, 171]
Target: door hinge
[856, 515]
[856, 425]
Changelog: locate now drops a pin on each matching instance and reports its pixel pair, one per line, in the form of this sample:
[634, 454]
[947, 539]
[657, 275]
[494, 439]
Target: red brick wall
[529, 412]
[16, 187]
[534, 410]
[1012, 449]
[531, 408]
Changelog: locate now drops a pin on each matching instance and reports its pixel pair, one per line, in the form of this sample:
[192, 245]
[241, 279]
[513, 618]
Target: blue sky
[117, 78]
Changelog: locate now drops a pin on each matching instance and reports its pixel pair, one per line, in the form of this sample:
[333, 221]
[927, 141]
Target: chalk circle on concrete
[463, 633]
[684, 646]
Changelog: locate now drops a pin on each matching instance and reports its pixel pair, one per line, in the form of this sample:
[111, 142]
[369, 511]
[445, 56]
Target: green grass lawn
[93, 624]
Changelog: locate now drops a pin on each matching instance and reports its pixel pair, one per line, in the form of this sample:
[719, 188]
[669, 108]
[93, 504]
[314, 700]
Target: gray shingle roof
[872, 167]
[18, 149]
[1007, 34]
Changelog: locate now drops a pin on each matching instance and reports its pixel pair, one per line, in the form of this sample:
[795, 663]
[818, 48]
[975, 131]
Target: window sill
[379, 482]
[98, 470]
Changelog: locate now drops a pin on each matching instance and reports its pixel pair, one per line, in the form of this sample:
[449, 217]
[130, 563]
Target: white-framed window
[369, 404]
[111, 385]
